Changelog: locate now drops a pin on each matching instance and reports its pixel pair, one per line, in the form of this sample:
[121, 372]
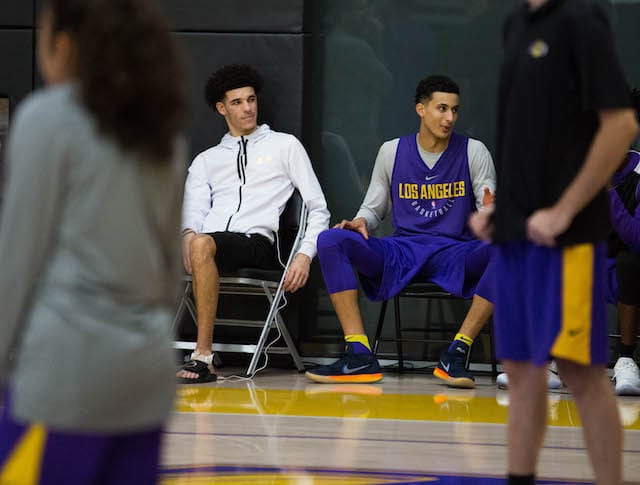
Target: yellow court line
[371, 403]
[279, 478]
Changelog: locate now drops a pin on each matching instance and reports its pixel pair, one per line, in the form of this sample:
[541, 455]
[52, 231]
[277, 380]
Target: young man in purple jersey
[564, 125]
[430, 182]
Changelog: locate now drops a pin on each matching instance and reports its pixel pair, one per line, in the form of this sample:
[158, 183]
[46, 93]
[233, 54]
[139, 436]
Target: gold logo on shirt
[538, 48]
[431, 191]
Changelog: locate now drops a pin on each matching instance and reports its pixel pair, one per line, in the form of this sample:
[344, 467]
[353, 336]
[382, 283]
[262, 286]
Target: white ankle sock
[207, 359]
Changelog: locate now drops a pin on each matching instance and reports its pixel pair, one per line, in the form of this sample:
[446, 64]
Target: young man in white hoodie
[234, 195]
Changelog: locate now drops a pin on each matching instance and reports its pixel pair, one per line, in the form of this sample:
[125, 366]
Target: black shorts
[628, 275]
[236, 250]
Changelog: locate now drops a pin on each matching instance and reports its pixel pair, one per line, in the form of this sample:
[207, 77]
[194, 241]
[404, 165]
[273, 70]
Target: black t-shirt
[559, 70]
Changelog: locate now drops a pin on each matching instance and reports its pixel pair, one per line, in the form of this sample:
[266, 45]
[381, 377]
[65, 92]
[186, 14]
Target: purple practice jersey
[624, 206]
[435, 201]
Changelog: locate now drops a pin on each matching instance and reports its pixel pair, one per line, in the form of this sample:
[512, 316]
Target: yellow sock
[464, 339]
[360, 338]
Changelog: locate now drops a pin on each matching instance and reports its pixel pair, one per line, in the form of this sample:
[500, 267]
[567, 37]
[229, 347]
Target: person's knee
[517, 371]
[330, 239]
[202, 249]
[525, 376]
[577, 378]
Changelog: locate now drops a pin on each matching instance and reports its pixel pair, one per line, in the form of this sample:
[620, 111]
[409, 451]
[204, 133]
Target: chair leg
[191, 306]
[180, 311]
[396, 307]
[297, 360]
[492, 350]
[274, 302]
[383, 311]
[274, 318]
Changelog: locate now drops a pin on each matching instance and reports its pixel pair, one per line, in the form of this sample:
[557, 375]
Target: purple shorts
[551, 303]
[31, 453]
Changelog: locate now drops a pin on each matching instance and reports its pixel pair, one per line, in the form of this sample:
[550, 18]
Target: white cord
[265, 350]
[278, 252]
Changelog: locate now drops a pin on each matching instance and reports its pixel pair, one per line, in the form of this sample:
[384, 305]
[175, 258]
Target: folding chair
[257, 282]
[425, 290]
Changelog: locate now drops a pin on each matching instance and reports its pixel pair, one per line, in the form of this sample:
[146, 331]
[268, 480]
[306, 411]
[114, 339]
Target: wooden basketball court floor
[280, 428]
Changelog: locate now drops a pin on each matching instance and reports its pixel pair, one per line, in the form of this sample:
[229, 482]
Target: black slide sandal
[197, 367]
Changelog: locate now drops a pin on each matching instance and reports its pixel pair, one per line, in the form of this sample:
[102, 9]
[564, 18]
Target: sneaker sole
[627, 390]
[354, 378]
[550, 386]
[461, 382]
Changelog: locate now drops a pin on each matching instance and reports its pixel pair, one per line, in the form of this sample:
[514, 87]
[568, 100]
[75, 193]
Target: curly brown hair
[129, 70]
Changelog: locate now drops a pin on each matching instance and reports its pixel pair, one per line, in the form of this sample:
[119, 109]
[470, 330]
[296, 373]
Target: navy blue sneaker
[351, 367]
[453, 371]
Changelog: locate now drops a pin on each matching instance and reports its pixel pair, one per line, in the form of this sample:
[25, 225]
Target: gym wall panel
[16, 68]
[277, 57]
[16, 13]
[236, 15]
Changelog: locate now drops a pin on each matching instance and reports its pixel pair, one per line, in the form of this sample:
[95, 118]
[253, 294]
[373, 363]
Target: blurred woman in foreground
[89, 248]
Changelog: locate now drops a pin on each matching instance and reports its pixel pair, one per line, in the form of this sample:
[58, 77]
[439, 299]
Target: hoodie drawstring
[241, 164]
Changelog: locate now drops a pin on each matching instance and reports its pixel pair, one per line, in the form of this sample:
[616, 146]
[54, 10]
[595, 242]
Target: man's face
[439, 114]
[240, 109]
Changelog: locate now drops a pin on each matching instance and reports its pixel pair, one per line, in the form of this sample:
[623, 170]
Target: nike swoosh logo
[348, 370]
[445, 366]
[430, 178]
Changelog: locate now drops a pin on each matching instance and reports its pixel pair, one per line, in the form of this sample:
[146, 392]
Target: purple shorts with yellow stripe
[551, 303]
[33, 454]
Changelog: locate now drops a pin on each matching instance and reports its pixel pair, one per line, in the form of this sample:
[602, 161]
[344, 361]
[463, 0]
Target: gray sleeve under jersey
[377, 201]
[481, 170]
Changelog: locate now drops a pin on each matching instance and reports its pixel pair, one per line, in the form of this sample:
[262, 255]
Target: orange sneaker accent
[441, 374]
[355, 378]
[460, 382]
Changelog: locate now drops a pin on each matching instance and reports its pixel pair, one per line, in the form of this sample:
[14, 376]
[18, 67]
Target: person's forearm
[624, 224]
[617, 130]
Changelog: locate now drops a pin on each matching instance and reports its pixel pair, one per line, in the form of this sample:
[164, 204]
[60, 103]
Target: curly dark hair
[432, 84]
[129, 71]
[232, 76]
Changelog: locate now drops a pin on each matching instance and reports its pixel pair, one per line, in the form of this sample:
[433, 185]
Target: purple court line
[431, 442]
[392, 474]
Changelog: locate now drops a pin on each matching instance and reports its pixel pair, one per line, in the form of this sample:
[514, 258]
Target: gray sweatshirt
[89, 265]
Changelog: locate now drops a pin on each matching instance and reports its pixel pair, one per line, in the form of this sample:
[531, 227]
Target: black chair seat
[425, 289]
[257, 274]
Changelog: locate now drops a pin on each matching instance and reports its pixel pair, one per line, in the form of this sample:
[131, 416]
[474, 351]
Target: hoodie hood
[231, 142]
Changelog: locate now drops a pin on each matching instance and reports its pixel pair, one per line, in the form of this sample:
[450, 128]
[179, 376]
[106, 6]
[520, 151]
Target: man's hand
[488, 199]
[357, 225]
[186, 250]
[544, 225]
[298, 273]
[481, 225]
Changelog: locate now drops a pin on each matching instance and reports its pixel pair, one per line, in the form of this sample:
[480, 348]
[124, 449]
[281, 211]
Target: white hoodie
[243, 183]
